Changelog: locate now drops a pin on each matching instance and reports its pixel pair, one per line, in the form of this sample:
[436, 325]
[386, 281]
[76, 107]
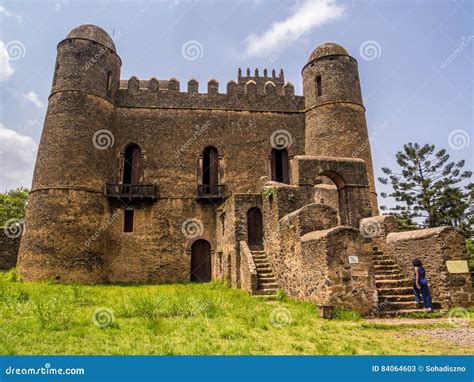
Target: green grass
[49, 318]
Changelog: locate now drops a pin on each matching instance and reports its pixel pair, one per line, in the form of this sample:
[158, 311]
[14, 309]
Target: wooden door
[201, 268]
[254, 227]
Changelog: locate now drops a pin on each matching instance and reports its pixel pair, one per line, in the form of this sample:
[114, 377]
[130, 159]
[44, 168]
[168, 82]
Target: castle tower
[67, 207]
[335, 114]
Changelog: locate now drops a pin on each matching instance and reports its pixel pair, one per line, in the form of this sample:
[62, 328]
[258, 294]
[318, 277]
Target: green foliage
[269, 192]
[470, 252]
[281, 295]
[183, 319]
[346, 315]
[429, 187]
[291, 197]
[13, 204]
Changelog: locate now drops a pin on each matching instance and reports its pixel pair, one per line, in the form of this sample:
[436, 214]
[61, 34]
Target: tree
[13, 204]
[430, 188]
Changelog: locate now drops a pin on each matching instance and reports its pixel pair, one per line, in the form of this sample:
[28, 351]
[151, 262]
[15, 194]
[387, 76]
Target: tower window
[128, 220]
[319, 89]
[109, 80]
[280, 166]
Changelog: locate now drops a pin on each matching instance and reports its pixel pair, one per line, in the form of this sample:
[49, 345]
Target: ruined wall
[434, 247]
[226, 243]
[9, 247]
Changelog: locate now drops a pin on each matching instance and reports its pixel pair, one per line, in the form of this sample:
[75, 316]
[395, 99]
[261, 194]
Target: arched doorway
[210, 170]
[201, 268]
[328, 191]
[131, 165]
[254, 228]
[280, 166]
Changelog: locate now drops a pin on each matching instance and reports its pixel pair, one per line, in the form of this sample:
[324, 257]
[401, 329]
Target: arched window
[280, 171]
[210, 170]
[131, 165]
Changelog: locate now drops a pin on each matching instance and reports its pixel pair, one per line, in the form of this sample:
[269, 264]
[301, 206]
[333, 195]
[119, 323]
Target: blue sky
[415, 60]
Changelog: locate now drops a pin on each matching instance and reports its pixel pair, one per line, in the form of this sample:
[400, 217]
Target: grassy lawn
[46, 318]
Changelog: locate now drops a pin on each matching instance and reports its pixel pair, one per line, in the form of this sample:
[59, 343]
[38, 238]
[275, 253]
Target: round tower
[335, 113]
[63, 238]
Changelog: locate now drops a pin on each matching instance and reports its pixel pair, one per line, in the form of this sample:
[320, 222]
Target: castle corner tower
[335, 114]
[67, 206]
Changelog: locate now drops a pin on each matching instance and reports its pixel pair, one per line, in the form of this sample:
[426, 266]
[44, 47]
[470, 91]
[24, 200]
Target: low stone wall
[328, 266]
[435, 247]
[8, 251]
[248, 271]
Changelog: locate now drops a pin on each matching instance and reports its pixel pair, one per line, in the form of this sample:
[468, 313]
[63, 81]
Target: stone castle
[138, 181]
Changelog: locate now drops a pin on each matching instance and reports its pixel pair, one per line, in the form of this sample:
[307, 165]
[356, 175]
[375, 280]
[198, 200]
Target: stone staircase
[267, 285]
[395, 291]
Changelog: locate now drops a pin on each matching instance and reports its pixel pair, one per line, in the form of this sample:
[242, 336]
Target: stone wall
[248, 271]
[9, 248]
[434, 247]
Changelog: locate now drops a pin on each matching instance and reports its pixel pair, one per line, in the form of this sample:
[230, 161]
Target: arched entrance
[201, 268]
[131, 165]
[254, 227]
[280, 166]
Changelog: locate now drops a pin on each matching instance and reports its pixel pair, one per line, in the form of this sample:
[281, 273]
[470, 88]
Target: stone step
[262, 266]
[266, 278]
[388, 273]
[390, 291]
[400, 283]
[257, 252]
[397, 298]
[385, 266]
[390, 276]
[265, 292]
[400, 312]
[385, 262]
[267, 285]
[261, 261]
[402, 305]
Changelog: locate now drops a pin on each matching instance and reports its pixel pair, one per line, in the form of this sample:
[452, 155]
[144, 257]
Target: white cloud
[6, 13]
[33, 98]
[6, 70]
[17, 159]
[307, 15]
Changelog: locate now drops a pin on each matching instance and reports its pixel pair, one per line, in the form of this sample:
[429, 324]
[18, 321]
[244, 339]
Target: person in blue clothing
[420, 285]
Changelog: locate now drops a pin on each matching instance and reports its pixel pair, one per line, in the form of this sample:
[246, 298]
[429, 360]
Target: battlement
[266, 93]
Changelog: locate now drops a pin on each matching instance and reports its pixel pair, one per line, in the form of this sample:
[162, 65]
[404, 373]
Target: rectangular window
[109, 80]
[128, 221]
[319, 89]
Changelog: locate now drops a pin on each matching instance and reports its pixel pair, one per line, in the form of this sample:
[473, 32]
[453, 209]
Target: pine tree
[430, 188]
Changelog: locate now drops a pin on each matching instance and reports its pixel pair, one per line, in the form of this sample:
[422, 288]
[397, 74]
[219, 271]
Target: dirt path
[409, 321]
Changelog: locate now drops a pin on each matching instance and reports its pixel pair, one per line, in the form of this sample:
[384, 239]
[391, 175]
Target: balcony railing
[131, 191]
[211, 191]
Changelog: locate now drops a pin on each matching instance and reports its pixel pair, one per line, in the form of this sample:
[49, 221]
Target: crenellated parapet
[266, 93]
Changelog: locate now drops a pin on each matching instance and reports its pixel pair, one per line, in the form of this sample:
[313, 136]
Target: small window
[319, 89]
[128, 221]
[109, 80]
